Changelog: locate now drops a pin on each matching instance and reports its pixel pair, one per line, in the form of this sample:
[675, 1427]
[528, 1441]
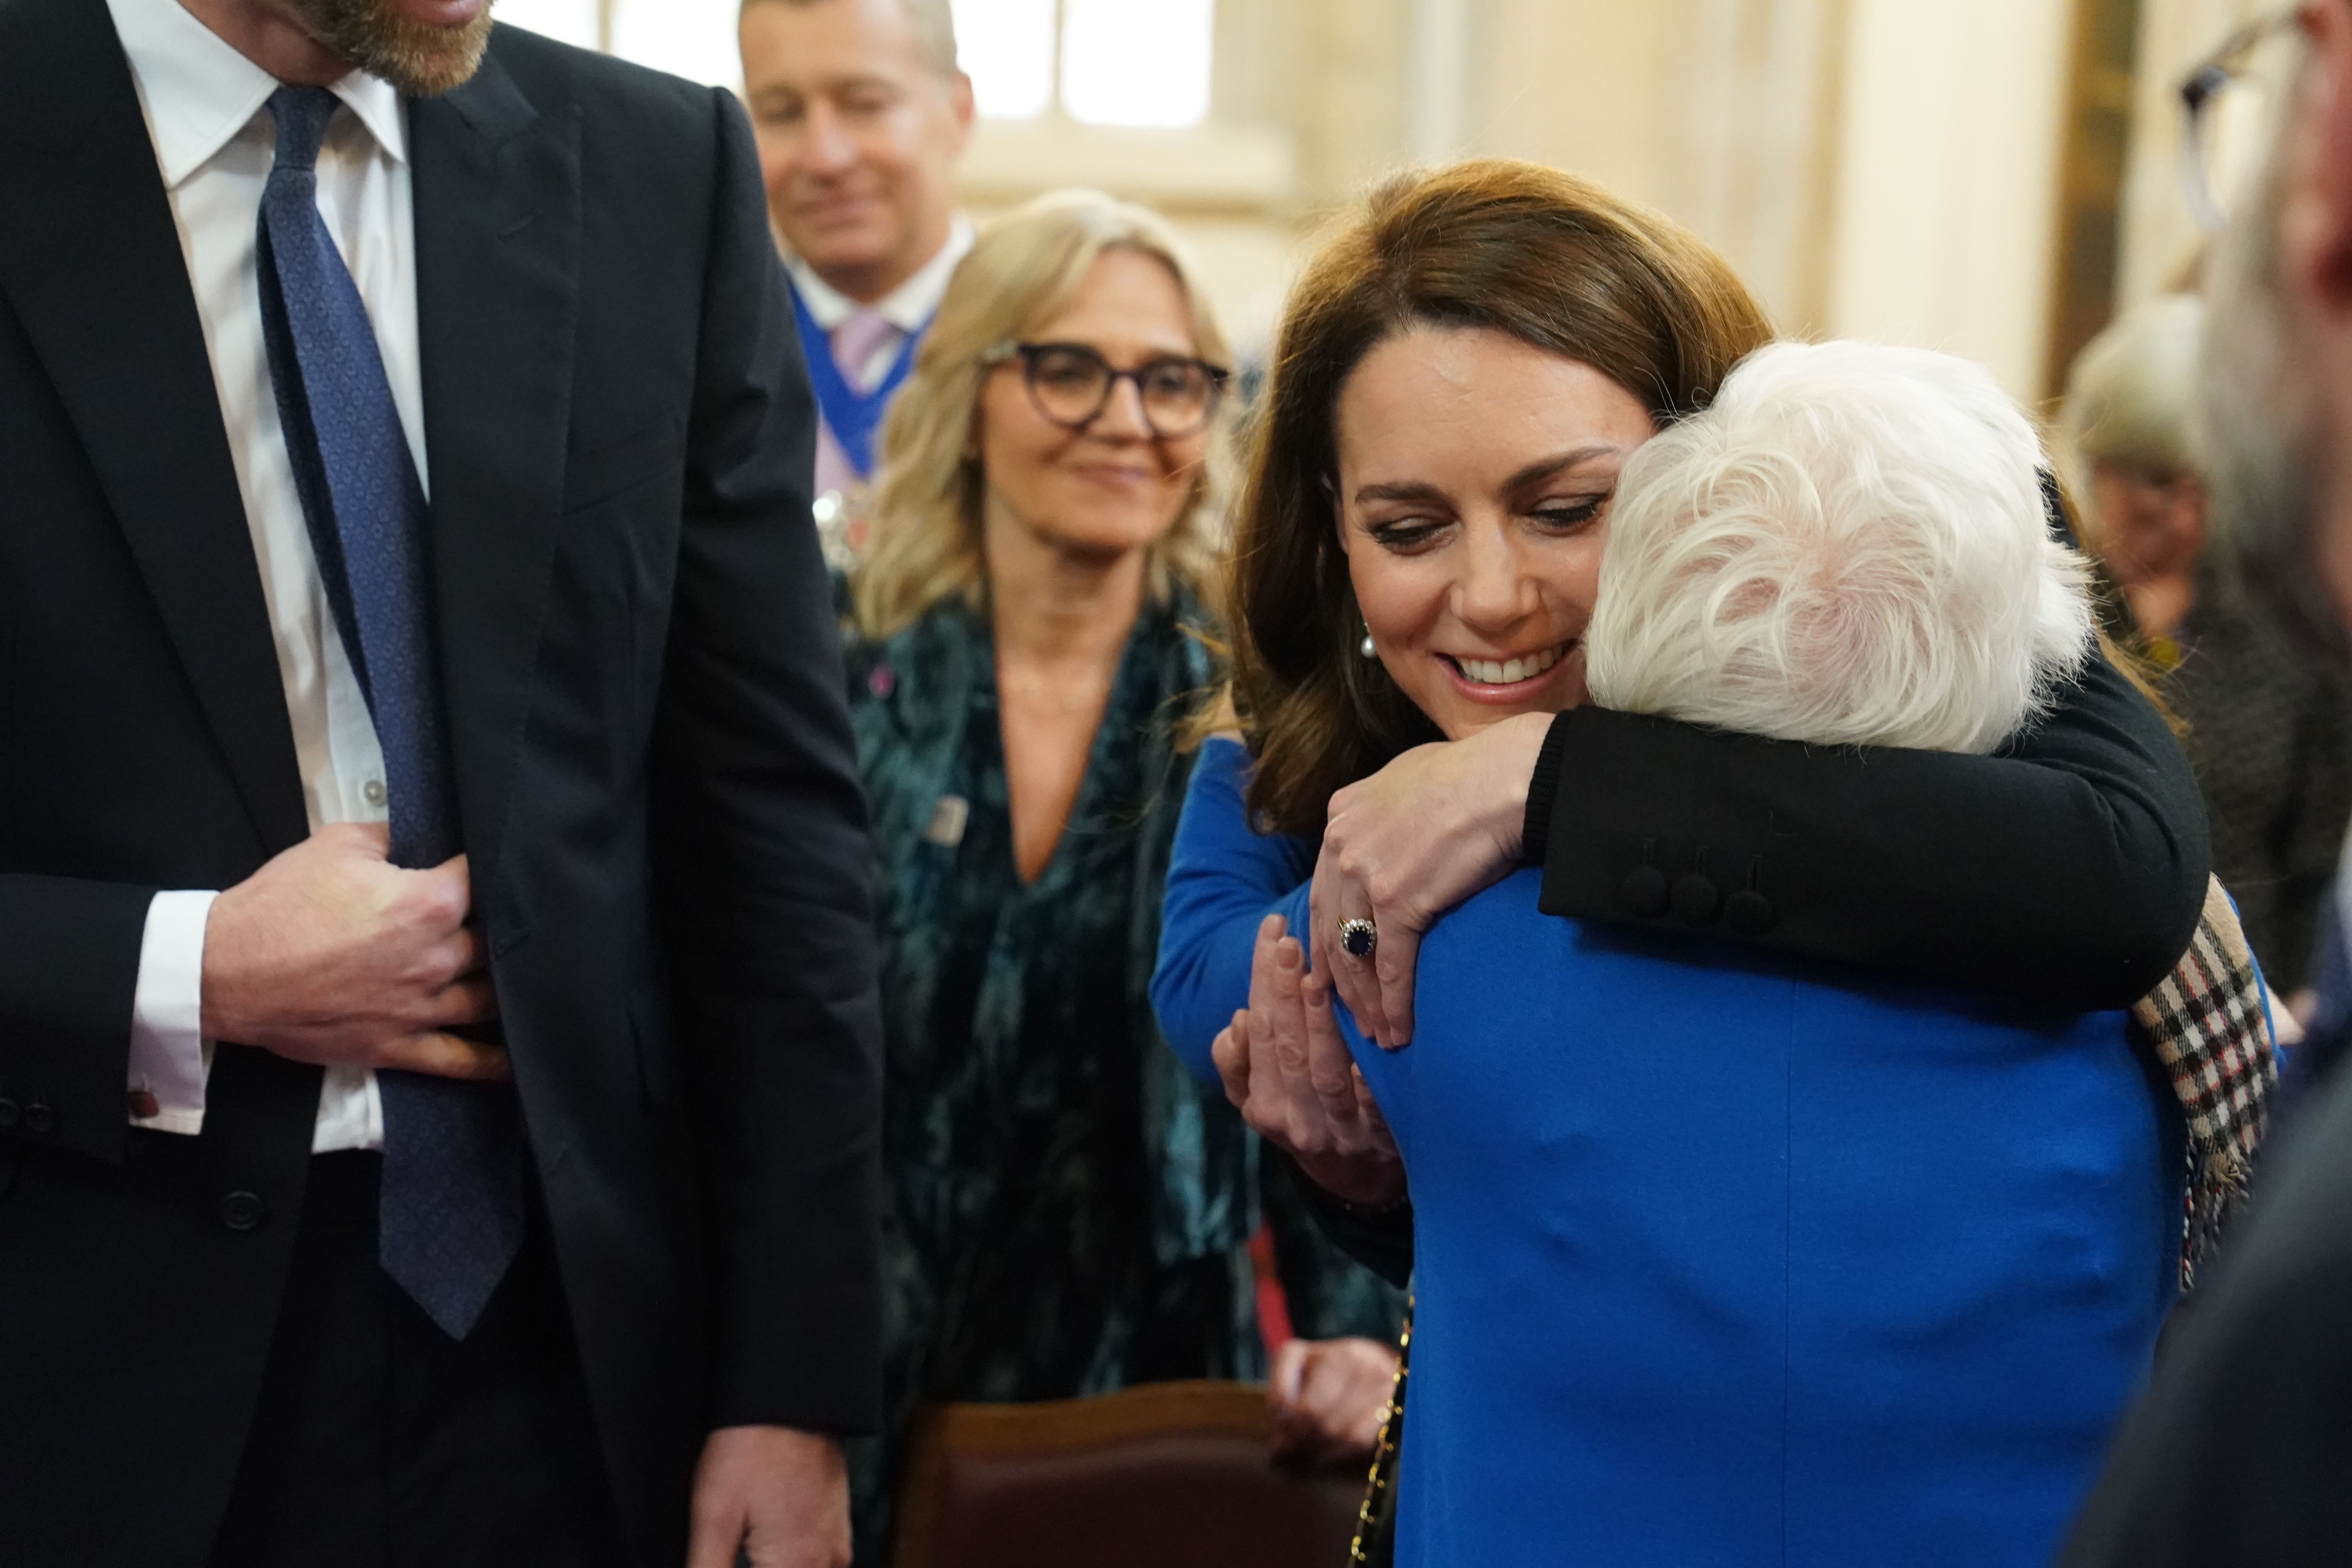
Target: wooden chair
[1171, 1475]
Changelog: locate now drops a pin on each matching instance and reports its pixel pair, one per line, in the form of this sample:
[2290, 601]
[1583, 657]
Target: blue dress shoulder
[1727, 1260]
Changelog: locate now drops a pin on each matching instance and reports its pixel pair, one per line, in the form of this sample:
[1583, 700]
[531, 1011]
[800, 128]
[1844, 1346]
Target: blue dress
[1724, 1258]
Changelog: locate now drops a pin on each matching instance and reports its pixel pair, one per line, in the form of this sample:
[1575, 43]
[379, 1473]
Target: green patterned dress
[1067, 1214]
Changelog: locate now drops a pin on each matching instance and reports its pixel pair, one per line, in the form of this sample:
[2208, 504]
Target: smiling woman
[1463, 547]
[1475, 569]
[1792, 1230]
[1068, 1215]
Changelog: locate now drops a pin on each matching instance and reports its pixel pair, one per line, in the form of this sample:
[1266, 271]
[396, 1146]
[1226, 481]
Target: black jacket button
[39, 1120]
[1749, 913]
[242, 1212]
[10, 1113]
[1643, 892]
[1697, 901]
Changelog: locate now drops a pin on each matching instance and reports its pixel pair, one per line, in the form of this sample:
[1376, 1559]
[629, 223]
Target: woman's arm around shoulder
[2069, 867]
[1222, 879]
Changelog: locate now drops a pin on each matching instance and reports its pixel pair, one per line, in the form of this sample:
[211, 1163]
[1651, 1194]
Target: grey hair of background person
[2131, 393]
[1848, 548]
[933, 22]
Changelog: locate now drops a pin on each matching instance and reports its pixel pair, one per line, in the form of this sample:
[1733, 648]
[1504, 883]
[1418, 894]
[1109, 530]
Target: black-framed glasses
[1071, 385]
[2226, 105]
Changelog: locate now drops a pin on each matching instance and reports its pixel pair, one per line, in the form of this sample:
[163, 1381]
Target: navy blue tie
[452, 1194]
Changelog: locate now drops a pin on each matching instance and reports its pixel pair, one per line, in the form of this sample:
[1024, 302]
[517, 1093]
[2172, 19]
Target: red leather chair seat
[1176, 1475]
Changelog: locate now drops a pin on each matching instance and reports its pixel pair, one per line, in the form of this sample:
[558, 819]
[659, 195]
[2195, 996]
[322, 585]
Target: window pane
[1136, 62]
[692, 38]
[568, 21]
[1006, 46]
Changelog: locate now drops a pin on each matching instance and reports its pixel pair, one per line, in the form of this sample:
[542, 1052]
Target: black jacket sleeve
[1332, 1290]
[761, 865]
[2069, 867]
[1380, 1239]
[68, 970]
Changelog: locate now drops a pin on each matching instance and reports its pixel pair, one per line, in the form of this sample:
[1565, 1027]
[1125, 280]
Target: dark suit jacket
[655, 775]
[2241, 1454]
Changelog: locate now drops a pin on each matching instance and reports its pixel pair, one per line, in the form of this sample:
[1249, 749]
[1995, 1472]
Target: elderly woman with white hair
[1730, 1257]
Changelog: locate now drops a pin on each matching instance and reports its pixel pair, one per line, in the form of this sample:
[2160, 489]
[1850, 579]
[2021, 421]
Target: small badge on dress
[947, 818]
[841, 527]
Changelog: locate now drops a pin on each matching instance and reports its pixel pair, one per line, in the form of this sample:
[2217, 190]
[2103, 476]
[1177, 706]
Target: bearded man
[2238, 1455]
[438, 1065]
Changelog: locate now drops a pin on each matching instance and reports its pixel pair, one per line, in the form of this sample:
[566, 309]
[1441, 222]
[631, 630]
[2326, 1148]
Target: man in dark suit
[2239, 1452]
[438, 1073]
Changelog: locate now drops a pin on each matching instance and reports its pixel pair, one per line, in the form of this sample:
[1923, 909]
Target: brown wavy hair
[1551, 259]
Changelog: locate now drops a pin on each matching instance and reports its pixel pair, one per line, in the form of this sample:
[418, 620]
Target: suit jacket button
[1749, 913]
[39, 1120]
[1643, 892]
[10, 1113]
[242, 1212]
[1697, 901]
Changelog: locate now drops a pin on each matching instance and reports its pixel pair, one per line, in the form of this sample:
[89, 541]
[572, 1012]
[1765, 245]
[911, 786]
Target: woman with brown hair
[2070, 867]
[1465, 369]
[1066, 1213]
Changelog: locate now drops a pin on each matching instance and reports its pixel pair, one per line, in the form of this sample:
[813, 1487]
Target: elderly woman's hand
[1439, 822]
[1285, 1067]
[1330, 1397]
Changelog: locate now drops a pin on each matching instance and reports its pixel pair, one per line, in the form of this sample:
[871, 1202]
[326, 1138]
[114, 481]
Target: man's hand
[1287, 1070]
[1330, 1397]
[777, 1496]
[332, 953]
[1400, 849]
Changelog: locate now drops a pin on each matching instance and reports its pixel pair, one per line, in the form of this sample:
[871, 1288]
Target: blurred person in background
[2269, 726]
[1069, 1215]
[2239, 1453]
[860, 112]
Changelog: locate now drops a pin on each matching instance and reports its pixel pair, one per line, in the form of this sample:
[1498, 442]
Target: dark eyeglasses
[1071, 385]
[2214, 155]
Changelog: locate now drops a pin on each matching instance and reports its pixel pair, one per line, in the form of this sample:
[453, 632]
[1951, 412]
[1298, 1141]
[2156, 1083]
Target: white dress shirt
[907, 308]
[215, 142]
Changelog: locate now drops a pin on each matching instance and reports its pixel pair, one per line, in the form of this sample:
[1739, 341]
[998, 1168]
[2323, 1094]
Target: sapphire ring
[1358, 937]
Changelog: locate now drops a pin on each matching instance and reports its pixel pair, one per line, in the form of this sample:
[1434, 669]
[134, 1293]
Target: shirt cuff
[170, 1058]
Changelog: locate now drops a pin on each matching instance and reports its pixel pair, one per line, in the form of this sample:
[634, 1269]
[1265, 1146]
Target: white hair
[1848, 548]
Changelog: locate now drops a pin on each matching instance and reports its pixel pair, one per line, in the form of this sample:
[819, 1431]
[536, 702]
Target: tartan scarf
[2208, 1026]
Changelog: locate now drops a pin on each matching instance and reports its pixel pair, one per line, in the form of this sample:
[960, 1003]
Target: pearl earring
[1366, 647]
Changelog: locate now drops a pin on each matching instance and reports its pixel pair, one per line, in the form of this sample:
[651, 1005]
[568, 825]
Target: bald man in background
[860, 113]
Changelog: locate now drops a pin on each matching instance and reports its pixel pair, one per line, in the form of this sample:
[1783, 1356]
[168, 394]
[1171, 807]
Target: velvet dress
[1726, 1258]
[1067, 1210]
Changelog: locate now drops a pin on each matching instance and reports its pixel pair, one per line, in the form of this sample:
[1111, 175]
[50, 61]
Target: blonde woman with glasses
[1066, 1214]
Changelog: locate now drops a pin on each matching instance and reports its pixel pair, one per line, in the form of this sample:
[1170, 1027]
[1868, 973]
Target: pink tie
[856, 344]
